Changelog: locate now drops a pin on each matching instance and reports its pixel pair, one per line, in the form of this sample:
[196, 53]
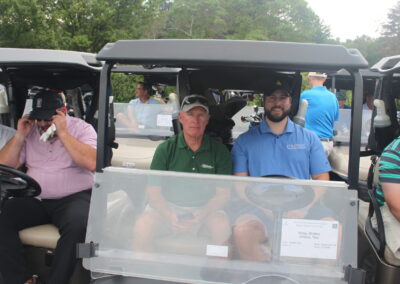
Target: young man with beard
[278, 146]
[275, 147]
[63, 165]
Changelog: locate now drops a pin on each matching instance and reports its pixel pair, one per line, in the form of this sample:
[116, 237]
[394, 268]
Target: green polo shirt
[174, 155]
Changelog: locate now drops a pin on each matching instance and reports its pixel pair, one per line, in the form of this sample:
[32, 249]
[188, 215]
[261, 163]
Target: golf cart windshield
[314, 248]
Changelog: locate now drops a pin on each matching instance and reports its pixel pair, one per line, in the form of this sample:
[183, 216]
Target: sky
[349, 19]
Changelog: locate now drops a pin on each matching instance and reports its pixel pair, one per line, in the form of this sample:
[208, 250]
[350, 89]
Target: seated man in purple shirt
[63, 165]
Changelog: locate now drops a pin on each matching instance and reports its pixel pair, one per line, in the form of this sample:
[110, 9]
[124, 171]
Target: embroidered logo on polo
[295, 146]
[204, 166]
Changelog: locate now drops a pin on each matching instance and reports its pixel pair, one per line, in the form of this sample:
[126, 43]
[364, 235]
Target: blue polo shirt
[297, 152]
[322, 111]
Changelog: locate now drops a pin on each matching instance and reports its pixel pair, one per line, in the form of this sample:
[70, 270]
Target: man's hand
[60, 122]
[24, 126]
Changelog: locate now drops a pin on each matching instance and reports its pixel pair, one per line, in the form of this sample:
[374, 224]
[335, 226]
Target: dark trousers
[68, 214]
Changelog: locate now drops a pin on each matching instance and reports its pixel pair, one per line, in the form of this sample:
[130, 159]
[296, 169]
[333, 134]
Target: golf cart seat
[388, 267]
[44, 236]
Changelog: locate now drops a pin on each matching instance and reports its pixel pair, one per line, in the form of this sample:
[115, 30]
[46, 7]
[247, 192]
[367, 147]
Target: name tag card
[164, 120]
[309, 238]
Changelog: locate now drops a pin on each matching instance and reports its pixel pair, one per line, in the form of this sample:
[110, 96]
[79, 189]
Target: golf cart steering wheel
[279, 176]
[14, 183]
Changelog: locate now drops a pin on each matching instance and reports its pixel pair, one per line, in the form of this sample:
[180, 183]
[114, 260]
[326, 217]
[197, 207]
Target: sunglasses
[193, 99]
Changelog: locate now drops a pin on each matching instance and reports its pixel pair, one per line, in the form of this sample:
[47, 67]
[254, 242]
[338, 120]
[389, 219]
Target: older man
[323, 110]
[275, 147]
[180, 208]
[63, 164]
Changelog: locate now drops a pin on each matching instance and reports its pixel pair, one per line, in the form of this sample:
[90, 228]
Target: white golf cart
[302, 250]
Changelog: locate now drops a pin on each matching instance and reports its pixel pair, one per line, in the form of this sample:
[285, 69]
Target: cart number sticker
[309, 238]
[213, 250]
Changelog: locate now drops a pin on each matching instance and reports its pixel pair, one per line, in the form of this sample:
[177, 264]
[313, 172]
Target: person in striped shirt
[388, 194]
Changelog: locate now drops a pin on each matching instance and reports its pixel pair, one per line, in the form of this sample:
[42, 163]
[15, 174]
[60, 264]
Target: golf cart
[385, 267]
[343, 81]
[302, 250]
[24, 72]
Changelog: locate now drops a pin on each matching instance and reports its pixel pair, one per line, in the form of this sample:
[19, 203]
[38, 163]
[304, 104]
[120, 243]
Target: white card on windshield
[309, 238]
[164, 120]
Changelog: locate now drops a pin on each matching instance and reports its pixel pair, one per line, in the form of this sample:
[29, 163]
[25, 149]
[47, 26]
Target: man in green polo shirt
[179, 208]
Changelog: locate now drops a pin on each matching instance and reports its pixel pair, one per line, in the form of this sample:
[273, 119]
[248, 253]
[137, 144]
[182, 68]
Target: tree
[285, 20]
[369, 47]
[83, 25]
[391, 32]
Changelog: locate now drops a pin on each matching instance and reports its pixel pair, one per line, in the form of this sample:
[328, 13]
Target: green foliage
[87, 25]
[124, 87]
[369, 47]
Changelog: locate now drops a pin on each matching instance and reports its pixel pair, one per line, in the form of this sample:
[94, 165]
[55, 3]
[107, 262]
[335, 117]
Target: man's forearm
[82, 154]
[9, 155]
[157, 201]
[217, 202]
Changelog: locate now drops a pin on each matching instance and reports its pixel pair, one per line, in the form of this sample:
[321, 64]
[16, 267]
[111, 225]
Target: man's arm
[321, 176]
[82, 154]
[10, 153]
[214, 204]
[391, 192]
[158, 202]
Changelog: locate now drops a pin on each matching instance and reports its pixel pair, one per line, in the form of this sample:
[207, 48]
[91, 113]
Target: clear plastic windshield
[198, 228]
[144, 120]
[342, 127]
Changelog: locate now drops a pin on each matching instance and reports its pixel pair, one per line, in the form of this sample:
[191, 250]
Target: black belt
[326, 139]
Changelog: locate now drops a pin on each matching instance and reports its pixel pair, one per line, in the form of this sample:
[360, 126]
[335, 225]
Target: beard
[275, 117]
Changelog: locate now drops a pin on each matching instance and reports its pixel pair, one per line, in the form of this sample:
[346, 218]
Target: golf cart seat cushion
[390, 258]
[45, 236]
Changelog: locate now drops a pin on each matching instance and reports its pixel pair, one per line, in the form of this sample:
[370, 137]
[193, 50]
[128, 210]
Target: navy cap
[45, 104]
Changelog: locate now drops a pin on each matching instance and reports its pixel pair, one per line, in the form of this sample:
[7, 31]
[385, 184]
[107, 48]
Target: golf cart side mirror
[381, 119]
[300, 117]
[383, 129]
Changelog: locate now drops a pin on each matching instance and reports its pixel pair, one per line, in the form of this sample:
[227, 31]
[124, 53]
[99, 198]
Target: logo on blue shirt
[295, 146]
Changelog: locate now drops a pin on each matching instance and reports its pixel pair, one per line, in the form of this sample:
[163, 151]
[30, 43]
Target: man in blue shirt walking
[323, 110]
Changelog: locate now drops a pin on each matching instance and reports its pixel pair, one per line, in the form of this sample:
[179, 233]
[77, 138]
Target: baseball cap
[193, 101]
[275, 86]
[317, 74]
[340, 96]
[45, 104]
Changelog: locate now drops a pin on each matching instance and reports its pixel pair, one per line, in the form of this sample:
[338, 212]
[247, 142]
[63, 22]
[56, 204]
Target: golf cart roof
[387, 65]
[136, 69]
[195, 53]
[58, 69]
[365, 73]
[24, 56]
